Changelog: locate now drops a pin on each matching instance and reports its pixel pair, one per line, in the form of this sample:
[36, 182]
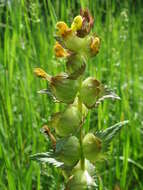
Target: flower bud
[68, 151]
[67, 122]
[92, 146]
[80, 180]
[64, 88]
[95, 45]
[90, 91]
[87, 23]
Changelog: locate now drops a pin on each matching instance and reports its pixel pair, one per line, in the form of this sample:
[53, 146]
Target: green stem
[81, 133]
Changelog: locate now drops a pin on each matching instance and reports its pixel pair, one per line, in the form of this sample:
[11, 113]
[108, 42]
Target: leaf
[46, 158]
[108, 134]
[111, 95]
[49, 93]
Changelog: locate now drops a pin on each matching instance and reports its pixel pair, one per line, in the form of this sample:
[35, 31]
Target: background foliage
[26, 41]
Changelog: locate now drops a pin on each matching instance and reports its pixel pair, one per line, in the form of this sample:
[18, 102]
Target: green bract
[91, 147]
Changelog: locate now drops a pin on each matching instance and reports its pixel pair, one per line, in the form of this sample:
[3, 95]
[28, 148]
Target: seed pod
[90, 91]
[68, 151]
[64, 88]
[91, 147]
[81, 180]
[67, 122]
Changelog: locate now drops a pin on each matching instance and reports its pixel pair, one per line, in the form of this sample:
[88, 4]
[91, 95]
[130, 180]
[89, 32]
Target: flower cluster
[75, 151]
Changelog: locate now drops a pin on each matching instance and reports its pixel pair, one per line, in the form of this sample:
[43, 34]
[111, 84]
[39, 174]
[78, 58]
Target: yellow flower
[42, 74]
[77, 23]
[59, 50]
[95, 45]
[63, 29]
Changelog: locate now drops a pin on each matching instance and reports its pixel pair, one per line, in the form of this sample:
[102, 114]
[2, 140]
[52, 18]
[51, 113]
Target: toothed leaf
[108, 134]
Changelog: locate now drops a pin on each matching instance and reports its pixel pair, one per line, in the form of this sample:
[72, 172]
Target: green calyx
[63, 88]
[92, 147]
[78, 45]
[91, 90]
[68, 151]
[67, 123]
[80, 180]
[75, 66]
[87, 165]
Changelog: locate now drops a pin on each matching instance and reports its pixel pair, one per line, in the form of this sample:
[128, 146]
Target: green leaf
[108, 134]
[49, 93]
[109, 95]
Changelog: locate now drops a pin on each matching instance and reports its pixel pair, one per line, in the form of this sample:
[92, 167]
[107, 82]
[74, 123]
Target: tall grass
[26, 41]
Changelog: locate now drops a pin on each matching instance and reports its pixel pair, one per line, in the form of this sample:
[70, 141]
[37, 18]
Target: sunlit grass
[26, 42]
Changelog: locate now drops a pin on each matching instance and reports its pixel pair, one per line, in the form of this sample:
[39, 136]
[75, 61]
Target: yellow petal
[41, 73]
[59, 50]
[77, 23]
[63, 29]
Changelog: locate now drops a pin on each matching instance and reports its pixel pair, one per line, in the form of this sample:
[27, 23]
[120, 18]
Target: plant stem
[81, 132]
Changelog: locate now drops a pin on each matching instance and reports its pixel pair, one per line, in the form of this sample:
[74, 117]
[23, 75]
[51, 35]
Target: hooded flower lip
[77, 23]
[63, 29]
[42, 74]
[60, 51]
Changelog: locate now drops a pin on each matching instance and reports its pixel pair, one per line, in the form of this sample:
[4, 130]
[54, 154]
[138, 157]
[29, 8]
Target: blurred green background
[27, 29]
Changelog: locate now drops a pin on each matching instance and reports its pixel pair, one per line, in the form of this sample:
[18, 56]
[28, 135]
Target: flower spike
[75, 148]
